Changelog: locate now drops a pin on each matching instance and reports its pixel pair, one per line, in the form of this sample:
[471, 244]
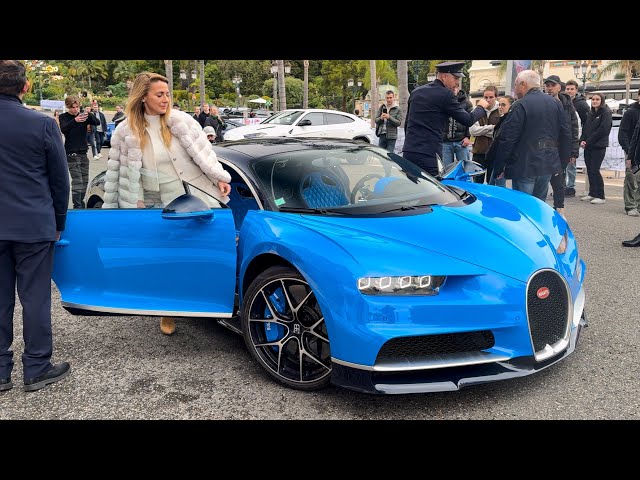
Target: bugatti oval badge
[543, 292]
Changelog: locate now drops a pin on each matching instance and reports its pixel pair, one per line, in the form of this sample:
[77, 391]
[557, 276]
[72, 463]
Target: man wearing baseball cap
[552, 86]
[428, 112]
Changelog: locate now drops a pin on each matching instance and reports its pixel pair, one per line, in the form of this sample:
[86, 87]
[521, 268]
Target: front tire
[284, 329]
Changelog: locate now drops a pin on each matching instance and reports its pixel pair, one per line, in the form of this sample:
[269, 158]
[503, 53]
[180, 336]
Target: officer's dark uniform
[428, 112]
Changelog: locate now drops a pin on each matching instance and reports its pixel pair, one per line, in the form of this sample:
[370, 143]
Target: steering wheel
[363, 189]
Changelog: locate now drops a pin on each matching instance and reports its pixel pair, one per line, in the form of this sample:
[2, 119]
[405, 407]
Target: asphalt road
[124, 368]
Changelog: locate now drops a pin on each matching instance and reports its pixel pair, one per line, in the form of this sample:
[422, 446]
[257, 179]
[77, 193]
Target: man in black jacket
[533, 139]
[552, 86]
[633, 163]
[73, 125]
[214, 120]
[119, 116]
[34, 195]
[582, 108]
[625, 133]
[428, 111]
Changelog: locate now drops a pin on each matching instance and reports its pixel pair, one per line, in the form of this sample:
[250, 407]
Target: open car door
[177, 261]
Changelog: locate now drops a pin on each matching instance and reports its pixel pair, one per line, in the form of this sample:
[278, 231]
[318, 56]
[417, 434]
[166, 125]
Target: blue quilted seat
[323, 190]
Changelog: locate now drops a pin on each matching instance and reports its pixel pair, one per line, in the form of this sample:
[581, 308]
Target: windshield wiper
[322, 211]
[404, 208]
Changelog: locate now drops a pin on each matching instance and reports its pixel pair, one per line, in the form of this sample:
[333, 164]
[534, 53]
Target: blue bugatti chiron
[341, 263]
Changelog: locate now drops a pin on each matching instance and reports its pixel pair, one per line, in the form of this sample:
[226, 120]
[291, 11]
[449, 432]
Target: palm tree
[202, 92]
[281, 88]
[124, 70]
[625, 66]
[168, 72]
[305, 94]
[374, 92]
[403, 88]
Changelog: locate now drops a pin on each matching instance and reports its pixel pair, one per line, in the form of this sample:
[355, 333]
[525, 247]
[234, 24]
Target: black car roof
[241, 152]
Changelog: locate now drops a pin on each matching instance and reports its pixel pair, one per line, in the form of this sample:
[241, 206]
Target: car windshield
[361, 180]
[286, 117]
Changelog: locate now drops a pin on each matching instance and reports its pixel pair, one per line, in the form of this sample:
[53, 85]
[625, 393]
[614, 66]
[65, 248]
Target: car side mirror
[304, 123]
[186, 207]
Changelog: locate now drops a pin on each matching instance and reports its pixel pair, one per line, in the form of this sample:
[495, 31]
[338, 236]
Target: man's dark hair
[491, 88]
[13, 76]
[389, 92]
[574, 83]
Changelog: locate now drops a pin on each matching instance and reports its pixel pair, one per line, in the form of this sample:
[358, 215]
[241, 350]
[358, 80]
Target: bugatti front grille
[415, 348]
[547, 309]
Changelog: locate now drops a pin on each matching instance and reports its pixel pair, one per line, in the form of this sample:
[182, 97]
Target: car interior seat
[323, 189]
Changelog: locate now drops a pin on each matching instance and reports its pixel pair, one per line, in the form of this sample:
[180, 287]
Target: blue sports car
[341, 263]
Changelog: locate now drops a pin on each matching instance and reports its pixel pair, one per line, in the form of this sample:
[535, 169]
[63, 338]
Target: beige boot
[167, 325]
[561, 212]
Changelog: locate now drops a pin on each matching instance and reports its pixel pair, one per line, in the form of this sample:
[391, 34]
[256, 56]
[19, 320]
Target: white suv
[312, 122]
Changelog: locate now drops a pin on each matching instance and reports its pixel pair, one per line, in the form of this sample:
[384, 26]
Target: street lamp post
[582, 69]
[237, 80]
[183, 78]
[194, 74]
[352, 84]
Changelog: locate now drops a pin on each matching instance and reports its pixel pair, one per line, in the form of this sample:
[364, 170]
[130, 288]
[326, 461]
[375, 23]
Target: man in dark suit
[534, 139]
[34, 196]
[428, 112]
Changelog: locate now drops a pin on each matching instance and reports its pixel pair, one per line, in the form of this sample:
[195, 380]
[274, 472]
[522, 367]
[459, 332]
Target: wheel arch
[258, 265]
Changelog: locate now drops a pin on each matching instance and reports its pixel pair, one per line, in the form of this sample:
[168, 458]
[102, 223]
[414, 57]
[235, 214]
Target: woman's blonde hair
[135, 108]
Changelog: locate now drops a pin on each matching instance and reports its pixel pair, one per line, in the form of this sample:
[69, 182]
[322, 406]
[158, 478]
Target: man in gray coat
[34, 196]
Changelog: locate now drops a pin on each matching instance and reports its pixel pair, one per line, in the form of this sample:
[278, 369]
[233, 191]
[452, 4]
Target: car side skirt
[77, 309]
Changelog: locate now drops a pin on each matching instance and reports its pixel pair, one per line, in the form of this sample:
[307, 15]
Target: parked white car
[312, 122]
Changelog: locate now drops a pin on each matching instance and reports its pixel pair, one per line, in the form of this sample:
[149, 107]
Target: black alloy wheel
[285, 331]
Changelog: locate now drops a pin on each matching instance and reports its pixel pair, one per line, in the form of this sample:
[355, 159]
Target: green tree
[628, 67]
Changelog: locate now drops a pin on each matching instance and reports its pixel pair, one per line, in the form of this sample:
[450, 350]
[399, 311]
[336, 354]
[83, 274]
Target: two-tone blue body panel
[134, 261]
[490, 246]
[487, 250]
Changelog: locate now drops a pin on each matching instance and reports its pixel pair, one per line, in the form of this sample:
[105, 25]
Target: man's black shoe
[5, 384]
[570, 192]
[632, 243]
[55, 373]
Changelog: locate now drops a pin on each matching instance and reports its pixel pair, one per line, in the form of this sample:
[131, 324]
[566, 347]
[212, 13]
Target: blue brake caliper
[275, 331]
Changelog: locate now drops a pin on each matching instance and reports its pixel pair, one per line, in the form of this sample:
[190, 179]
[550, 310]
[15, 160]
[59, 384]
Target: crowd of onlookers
[529, 139]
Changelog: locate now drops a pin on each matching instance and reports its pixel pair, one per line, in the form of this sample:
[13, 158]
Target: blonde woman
[154, 150]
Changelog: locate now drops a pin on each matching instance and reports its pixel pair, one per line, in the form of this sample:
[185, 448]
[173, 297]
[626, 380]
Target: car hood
[267, 129]
[489, 233]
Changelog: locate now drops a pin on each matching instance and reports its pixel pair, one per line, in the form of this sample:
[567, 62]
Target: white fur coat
[122, 180]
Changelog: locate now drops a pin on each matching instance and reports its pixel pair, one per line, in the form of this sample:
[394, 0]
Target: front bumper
[450, 378]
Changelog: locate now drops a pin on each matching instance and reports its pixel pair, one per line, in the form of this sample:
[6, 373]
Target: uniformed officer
[428, 112]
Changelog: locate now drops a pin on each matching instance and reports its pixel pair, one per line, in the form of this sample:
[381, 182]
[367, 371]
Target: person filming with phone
[73, 125]
[388, 120]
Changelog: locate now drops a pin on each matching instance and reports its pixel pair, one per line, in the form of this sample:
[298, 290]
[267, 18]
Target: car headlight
[405, 285]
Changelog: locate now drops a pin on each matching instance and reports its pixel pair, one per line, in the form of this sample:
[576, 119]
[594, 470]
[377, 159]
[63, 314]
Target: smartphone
[384, 109]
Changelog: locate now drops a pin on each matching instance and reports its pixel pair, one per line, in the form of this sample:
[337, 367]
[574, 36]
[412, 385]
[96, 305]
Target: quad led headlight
[405, 285]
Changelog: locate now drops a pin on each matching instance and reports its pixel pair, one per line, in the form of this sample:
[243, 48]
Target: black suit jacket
[34, 180]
